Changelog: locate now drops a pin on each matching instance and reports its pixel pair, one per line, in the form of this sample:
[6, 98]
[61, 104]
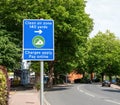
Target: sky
[105, 15]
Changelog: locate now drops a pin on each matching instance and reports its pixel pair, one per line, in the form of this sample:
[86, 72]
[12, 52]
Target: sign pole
[42, 83]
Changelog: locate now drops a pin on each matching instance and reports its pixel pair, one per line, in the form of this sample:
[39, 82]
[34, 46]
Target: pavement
[115, 86]
[24, 96]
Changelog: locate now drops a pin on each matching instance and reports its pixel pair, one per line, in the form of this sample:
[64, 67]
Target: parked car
[113, 81]
[106, 83]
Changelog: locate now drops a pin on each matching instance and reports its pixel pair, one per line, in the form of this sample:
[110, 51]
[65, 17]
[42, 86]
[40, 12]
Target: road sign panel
[38, 39]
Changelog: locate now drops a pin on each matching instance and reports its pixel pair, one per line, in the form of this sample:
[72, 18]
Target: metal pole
[42, 83]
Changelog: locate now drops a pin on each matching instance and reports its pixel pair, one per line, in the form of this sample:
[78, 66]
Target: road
[83, 94]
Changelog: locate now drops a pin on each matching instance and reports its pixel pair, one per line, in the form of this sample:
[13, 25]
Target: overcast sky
[106, 15]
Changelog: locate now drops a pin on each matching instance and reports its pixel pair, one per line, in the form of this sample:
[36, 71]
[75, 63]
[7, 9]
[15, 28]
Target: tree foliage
[104, 54]
[9, 52]
[72, 25]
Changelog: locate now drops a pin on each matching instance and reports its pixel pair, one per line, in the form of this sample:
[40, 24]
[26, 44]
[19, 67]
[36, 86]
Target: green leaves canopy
[9, 52]
[104, 53]
[72, 24]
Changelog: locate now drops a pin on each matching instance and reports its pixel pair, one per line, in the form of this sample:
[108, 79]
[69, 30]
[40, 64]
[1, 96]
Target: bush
[37, 86]
[3, 89]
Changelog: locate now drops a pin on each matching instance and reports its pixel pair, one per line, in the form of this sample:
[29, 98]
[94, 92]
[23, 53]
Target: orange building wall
[73, 75]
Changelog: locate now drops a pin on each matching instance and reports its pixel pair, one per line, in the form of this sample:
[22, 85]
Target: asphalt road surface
[82, 94]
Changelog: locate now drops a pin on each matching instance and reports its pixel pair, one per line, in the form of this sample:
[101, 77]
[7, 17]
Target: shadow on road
[58, 88]
[111, 90]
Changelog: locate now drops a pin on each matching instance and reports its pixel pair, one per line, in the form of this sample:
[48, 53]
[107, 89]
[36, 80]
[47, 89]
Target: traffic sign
[38, 40]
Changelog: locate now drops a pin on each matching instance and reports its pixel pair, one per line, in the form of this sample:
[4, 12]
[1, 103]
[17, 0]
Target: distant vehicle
[113, 81]
[95, 80]
[106, 83]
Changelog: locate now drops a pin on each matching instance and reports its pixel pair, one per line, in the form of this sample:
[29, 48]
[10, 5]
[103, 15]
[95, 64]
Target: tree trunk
[51, 73]
[37, 78]
[91, 76]
[110, 78]
[83, 74]
[102, 74]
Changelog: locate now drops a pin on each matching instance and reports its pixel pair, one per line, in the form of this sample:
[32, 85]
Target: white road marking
[82, 91]
[89, 94]
[45, 101]
[113, 102]
[78, 88]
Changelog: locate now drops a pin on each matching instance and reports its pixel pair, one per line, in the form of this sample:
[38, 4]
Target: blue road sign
[38, 40]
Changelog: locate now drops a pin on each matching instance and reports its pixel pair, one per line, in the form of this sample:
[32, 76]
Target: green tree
[72, 25]
[103, 54]
[9, 52]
